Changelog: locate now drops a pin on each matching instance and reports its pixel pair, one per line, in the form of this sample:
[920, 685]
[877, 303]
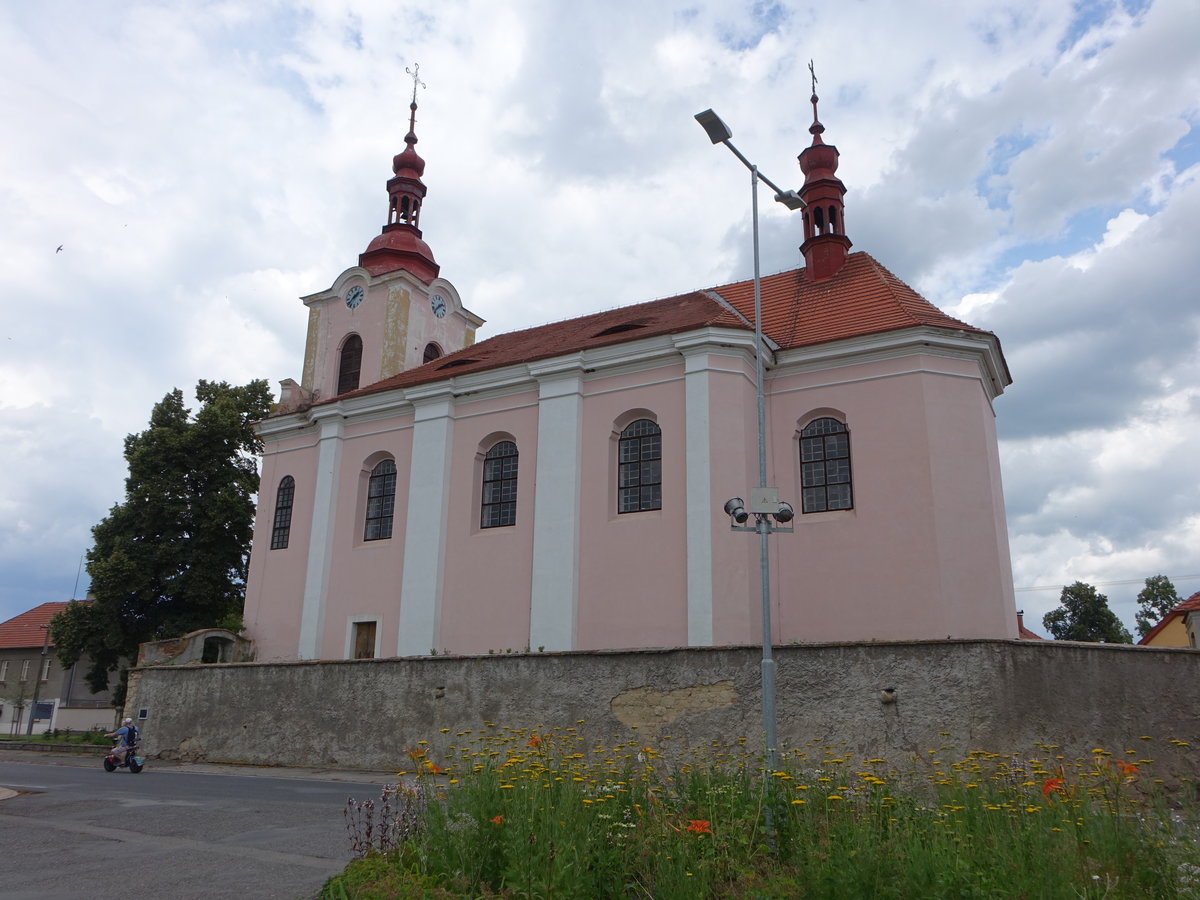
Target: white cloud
[1031, 166]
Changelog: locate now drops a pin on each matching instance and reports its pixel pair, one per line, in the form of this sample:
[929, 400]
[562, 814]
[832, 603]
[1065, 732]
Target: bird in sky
[58, 249]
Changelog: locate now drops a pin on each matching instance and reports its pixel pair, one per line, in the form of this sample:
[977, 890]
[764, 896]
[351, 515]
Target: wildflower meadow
[545, 813]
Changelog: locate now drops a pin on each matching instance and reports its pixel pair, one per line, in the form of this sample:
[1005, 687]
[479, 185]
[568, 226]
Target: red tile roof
[1191, 604]
[658, 317]
[1024, 633]
[863, 298]
[25, 630]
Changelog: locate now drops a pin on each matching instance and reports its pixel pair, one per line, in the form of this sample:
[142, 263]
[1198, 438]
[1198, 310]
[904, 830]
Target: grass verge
[518, 814]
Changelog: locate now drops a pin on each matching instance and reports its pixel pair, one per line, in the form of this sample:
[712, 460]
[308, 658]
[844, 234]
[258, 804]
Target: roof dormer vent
[622, 327]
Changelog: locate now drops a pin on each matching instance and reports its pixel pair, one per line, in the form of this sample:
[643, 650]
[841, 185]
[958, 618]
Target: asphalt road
[176, 832]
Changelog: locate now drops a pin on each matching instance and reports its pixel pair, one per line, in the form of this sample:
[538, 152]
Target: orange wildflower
[534, 741]
[699, 826]
[1126, 768]
[1053, 784]
[496, 820]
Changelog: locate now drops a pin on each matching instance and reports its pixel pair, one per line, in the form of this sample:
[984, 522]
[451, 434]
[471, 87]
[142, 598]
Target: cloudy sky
[1030, 165]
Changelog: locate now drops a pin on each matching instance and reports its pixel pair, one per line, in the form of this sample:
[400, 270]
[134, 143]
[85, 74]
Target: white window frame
[46, 669]
[24, 670]
[4, 670]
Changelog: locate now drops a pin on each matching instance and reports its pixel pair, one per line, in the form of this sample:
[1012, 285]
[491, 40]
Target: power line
[1059, 587]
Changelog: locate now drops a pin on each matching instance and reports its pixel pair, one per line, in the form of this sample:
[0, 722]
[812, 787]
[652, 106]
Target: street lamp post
[765, 504]
[37, 680]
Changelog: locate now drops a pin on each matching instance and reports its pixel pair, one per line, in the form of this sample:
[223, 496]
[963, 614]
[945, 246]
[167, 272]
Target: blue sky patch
[765, 18]
[1186, 153]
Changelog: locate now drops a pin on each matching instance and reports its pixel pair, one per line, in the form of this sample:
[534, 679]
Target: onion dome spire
[399, 244]
[825, 242]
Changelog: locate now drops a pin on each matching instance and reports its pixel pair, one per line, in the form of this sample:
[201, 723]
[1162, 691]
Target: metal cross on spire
[813, 73]
[417, 78]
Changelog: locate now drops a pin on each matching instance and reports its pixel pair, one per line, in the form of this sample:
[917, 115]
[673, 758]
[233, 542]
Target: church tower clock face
[438, 304]
[354, 296]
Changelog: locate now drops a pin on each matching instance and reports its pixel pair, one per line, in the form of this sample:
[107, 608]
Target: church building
[562, 487]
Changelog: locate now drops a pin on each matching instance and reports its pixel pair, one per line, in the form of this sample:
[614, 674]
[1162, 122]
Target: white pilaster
[555, 591]
[425, 528]
[698, 468]
[320, 542]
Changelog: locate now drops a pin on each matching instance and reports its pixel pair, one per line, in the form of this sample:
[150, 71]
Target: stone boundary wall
[998, 696]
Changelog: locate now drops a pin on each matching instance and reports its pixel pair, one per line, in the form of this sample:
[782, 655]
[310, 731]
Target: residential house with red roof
[561, 487]
[1178, 628]
[28, 666]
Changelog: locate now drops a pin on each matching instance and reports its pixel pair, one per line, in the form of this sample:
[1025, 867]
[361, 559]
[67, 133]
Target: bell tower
[393, 311]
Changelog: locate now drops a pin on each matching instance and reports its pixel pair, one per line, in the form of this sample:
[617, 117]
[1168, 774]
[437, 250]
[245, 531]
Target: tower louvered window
[350, 364]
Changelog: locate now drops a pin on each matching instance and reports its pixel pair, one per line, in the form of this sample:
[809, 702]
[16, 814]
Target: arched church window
[499, 504]
[381, 501]
[432, 352]
[833, 226]
[282, 528]
[819, 220]
[349, 364]
[639, 467]
[825, 466]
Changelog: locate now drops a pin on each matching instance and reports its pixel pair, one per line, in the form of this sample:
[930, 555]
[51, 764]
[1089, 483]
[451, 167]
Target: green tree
[172, 557]
[1155, 600]
[1083, 615]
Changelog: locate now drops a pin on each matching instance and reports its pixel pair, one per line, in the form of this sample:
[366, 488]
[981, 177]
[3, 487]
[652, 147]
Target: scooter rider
[127, 734]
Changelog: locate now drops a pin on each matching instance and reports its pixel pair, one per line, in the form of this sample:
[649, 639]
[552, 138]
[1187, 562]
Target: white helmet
[127, 721]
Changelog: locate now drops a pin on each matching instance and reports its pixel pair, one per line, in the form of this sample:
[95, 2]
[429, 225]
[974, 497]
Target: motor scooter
[123, 757]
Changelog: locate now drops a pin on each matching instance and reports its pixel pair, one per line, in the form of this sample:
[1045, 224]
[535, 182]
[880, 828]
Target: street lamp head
[785, 513]
[716, 130]
[790, 199]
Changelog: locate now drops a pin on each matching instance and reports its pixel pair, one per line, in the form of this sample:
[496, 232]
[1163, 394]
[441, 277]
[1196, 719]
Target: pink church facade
[561, 488]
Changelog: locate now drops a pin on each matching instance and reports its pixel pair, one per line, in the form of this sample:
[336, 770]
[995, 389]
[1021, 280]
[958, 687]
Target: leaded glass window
[499, 506]
[283, 513]
[825, 466]
[381, 501]
[639, 467]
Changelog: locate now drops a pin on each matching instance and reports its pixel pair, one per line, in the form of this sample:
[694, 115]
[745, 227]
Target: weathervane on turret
[414, 72]
[816, 128]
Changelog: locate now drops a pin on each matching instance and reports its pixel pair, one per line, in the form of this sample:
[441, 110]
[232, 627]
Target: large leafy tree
[172, 557]
[1083, 615]
[1155, 600]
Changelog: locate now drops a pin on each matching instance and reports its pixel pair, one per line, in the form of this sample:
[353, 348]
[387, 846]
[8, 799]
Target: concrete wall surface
[997, 696]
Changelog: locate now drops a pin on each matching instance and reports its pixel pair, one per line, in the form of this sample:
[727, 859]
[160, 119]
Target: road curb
[43, 747]
[349, 776]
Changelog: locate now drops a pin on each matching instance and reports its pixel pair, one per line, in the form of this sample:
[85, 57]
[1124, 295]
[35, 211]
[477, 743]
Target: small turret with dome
[399, 244]
[825, 243]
